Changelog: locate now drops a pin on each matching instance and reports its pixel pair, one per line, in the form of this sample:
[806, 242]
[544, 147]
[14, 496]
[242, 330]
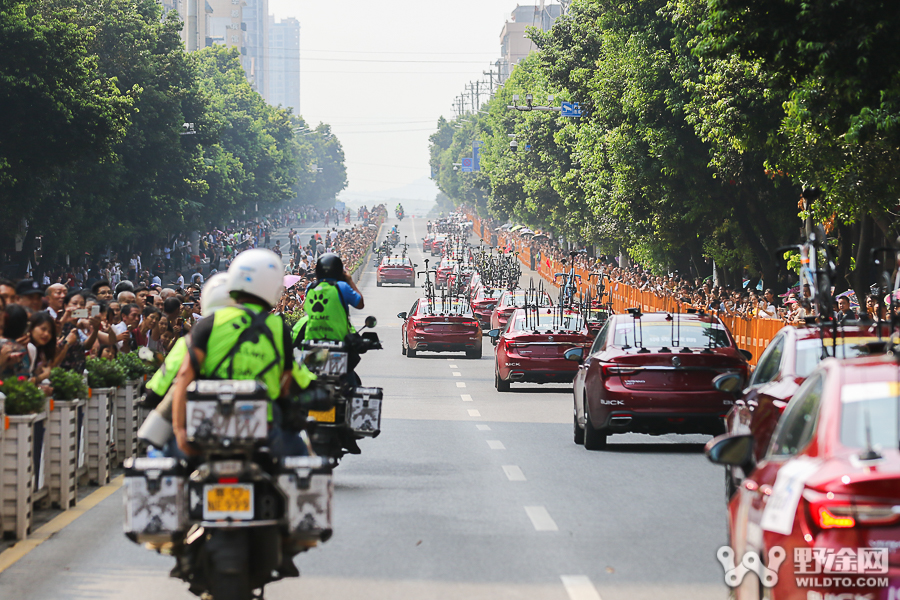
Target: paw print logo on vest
[318, 301]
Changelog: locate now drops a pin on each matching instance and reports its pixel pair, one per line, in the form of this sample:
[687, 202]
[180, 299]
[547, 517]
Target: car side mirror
[415, 266]
[730, 383]
[575, 354]
[731, 450]
[746, 354]
[494, 333]
[401, 315]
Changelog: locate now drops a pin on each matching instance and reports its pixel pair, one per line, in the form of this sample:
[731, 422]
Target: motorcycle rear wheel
[229, 576]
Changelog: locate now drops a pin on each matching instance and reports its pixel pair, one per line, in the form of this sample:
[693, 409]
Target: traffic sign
[467, 165]
[571, 109]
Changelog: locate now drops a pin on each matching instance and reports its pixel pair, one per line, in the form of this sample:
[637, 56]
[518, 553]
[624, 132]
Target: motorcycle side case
[307, 483]
[363, 413]
[155, 499]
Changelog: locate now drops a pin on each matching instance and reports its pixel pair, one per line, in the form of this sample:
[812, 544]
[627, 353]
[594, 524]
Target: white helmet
[258, 272]
[215, 294]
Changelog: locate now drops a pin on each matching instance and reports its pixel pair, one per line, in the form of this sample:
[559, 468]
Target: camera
[514, 145]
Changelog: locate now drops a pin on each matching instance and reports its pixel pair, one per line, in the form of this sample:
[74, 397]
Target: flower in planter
[22, 397]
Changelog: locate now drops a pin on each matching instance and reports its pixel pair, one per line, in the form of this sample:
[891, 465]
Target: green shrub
[22, 396]
[292, 318]
[103, 373]
[133, 366]
[68, 385]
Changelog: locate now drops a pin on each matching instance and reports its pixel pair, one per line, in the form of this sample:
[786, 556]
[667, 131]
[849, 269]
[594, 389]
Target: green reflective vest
[163, 378]
[326, 315]
[260, 354]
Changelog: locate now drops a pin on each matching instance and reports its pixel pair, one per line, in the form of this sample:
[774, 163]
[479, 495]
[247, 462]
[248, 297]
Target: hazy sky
[382, 72]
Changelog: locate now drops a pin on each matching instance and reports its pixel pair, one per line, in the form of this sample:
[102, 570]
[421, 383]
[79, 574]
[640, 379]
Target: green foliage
[292, 317]
[22, 396]
[103, 373]
[132, 366]
[68, 385]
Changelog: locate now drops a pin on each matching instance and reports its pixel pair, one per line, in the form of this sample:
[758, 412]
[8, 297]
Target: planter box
[99, 418]
[64, 451]
[17, 474]
[127, 422]
[40, 452]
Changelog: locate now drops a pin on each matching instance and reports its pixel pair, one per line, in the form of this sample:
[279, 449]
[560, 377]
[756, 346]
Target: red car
[787, 361]
[437, 245]
[483, 302]
[446, 326]
[825, 496]
[462, 272]
[443, 271]
[509, 301]
[396, 269]
[532, 346]
[426, 242]
[653, 374]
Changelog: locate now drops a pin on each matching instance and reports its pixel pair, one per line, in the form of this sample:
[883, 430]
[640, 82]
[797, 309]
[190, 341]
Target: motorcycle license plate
[323, 416]
[232, 500]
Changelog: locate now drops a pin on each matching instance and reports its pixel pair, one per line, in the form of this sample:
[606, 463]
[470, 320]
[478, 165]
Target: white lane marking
[457, 374]
[579, 587]
[466, 397]
[460, 384]
[513, 473]
[541, 519]
[483, 427]
[453, 366]
[496, 445]
[474, 413]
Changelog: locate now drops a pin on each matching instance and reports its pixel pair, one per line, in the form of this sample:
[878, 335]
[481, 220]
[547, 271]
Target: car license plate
[231, 500]
[323, 416]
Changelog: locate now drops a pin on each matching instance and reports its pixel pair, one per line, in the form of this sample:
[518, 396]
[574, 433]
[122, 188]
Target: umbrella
[516, 227]
[291, 280]
[540, 236]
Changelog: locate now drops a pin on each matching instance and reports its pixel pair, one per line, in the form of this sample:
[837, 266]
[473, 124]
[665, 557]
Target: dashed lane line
[579, 587]
[483, 427]
[453, 366]
[540, 518]
[474, 413]
[457, 374]
[466, 397]
[461, 384]
[496, 445]
[513, 473]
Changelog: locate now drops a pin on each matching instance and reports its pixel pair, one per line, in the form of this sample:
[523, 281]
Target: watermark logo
[735, 572]
[835, 563]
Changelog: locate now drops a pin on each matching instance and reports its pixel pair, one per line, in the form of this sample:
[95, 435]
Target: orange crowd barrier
[751, 334]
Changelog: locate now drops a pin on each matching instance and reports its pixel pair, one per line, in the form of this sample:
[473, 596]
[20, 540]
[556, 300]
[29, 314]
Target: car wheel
[410, 353]
[578, 431]
[502, 386]
[378, 283]
[594, 439]
[403, 348]
[476, 353]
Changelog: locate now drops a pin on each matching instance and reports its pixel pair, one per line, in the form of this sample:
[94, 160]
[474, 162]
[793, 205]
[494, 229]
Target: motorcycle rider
[327, 315]
[245, 341]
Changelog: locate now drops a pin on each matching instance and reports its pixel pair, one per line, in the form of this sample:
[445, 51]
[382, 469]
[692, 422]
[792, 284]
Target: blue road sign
[571, 109]
[467, 165]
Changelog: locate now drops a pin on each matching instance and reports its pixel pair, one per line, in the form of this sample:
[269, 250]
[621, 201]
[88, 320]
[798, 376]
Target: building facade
[256, 20]
[283, 64]
[514, 46]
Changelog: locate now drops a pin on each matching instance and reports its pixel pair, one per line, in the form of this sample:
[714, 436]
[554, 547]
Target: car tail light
[611, 371]
[830, 512]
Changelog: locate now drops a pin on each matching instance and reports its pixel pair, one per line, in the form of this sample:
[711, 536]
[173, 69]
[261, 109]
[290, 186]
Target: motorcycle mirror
[371, 322]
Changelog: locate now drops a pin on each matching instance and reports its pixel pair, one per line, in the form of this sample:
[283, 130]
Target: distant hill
[417, 197]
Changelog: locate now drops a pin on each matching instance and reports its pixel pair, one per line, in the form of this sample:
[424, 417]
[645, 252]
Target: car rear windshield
[397, 262]
[518, 299]
[659, 335]
[550, 323]
[809, 352]
[869, 411]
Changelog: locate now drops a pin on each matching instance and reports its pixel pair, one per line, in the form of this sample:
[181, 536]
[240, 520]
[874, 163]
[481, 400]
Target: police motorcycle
[235, 515]
[356, 413]
[399, 212]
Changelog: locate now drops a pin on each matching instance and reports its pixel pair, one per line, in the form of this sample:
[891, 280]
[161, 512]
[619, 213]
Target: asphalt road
[467, 493]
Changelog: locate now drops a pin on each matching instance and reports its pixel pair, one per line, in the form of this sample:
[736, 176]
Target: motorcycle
[234, 517]
[356, 413]
[399, 214]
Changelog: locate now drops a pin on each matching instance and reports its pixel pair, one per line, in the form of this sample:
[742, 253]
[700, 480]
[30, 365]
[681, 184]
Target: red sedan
[532, 347]
[483, 301]
[821, 509]
[509, 301]
[440, 327]
[426, 242]
[787, 361]
[653, 374]
[443, 271]
[396, 269]
[437, 245]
